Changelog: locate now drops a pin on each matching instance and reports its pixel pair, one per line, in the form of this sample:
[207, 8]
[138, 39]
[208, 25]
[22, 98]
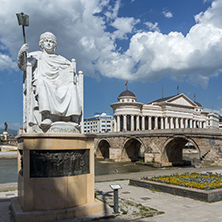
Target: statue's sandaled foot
[46, 123]
[32, 124]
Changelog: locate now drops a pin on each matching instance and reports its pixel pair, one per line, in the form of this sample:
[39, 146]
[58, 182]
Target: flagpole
[126, 84]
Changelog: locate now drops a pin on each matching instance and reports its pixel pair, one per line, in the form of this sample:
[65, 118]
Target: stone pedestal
[5, 135]
[55, 177]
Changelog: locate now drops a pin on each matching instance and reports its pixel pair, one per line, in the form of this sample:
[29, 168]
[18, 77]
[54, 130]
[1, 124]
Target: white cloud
[152, 55]
[82, 30]
[167, 14]
[212, 15]
[218, 111]
[152, 27]
[124, 26]
[113, 11]
[204, 1]
[7, 63]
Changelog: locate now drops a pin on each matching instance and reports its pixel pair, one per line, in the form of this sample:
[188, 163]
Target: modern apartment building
[99, 123]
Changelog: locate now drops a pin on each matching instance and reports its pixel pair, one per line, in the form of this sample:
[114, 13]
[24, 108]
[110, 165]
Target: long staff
[23, 20]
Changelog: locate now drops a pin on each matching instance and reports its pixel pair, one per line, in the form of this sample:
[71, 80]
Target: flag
[126, 83]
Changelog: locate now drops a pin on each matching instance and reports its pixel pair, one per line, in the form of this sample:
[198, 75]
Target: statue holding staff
[55, 96]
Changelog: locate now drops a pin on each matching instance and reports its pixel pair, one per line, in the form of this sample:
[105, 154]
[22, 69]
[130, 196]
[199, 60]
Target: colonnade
[137, 122]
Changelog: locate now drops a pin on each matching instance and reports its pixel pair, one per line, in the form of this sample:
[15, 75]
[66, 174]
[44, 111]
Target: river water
[8, 169]
[104, 168]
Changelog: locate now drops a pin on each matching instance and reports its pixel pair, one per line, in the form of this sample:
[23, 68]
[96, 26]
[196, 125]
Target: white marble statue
[54, 97]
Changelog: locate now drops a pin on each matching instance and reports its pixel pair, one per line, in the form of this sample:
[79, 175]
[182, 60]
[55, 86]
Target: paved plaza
[175, 208]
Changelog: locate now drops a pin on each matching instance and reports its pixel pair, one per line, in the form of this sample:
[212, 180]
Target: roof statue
[6, 127]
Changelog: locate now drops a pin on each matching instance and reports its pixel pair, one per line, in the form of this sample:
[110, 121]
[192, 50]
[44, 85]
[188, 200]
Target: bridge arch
[173, 149]
[133, 149]
[102, 148]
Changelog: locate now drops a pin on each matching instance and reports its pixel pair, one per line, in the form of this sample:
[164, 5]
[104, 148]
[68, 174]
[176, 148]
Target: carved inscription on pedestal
[54, 163]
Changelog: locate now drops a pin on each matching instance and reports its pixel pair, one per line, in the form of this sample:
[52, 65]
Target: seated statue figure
[55, 97]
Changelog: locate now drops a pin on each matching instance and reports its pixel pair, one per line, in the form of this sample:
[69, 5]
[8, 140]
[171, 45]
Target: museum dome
[127, 94]
[198, 104]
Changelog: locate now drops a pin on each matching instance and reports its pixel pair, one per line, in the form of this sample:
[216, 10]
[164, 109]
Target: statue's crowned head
[47, 35]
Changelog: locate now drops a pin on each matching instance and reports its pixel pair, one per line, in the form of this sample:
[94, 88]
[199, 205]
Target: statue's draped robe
[55, 85]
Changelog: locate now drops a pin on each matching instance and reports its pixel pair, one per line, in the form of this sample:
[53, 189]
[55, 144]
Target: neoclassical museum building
[171, 112]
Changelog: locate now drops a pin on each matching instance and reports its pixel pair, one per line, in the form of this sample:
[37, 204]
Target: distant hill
[10, 131]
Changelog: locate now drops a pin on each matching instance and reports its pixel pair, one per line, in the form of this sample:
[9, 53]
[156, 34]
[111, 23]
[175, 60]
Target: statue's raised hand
[24, 49]
[21, 60]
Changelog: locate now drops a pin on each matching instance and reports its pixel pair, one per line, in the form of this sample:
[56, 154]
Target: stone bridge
[160, 146]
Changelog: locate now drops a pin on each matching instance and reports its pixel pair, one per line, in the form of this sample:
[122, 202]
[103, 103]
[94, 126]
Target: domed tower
[127, 112]
[127, 96]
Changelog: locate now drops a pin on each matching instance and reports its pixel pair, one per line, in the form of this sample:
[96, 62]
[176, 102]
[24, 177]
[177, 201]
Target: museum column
[176, 123]
[124, 123]
[132, 123]
[118, 123]
[149, 120]
[114, 124]
[181, 123]
[143, 122]
[166, 123]
[162, 123]
[186, 123]
[171, 123]
[137, 123]
[191, 123]
[156, 123]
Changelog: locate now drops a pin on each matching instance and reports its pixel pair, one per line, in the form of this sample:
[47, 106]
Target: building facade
[172, 112]
[99, 123]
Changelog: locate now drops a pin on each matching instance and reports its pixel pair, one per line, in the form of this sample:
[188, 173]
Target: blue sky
[154, 44]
